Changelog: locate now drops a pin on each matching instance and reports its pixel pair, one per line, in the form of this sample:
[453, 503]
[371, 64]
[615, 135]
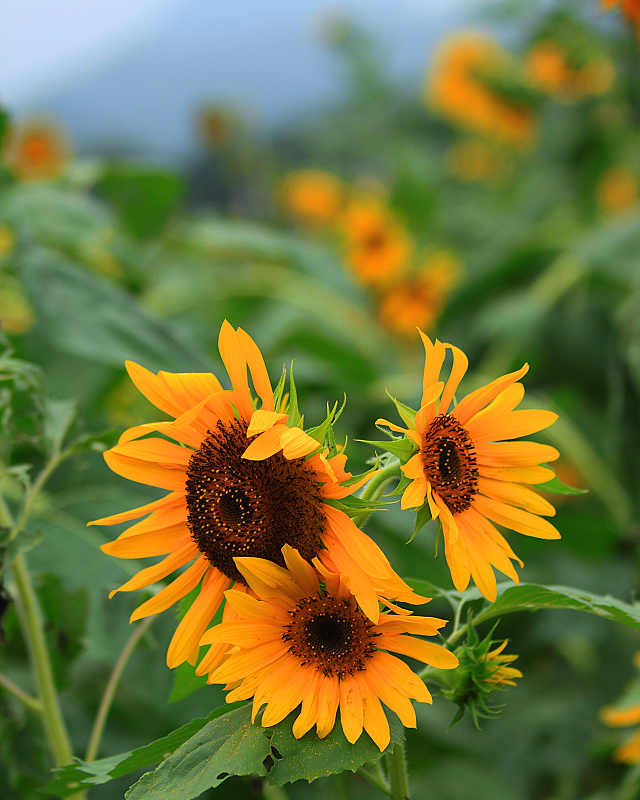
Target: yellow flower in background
[241, 483]
[629, 8]
[475, 160]
[548, 69]
[6, 241]
[617, 191]
[624, 713]
[501, 674]
[377, 247]
[471, 474]
[303, 641]
[37, 150]
[16, 314]
[417, 301]
[455, 89]
[312, 197]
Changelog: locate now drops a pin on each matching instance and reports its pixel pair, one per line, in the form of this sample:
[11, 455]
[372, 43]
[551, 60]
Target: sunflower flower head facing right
[471, 475]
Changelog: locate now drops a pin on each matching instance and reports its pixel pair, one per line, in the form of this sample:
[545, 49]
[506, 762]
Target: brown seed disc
[238, 507]
[332, 635]
[450, 464]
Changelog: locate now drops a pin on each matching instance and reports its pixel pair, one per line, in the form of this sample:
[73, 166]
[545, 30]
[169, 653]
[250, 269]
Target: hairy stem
[110, 689]
[398, 775]
[374, 780]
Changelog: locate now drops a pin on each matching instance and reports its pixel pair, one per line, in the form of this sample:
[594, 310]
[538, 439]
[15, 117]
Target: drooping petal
[515, 518]
[374, 719]
[430, 653]
[351, 712]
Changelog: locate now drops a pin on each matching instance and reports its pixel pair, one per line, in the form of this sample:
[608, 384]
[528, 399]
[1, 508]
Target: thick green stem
[110, 689]
[374, 780]
[19, 694]
[53, 721]
[272, 792]
[376, 486]
[398, 775]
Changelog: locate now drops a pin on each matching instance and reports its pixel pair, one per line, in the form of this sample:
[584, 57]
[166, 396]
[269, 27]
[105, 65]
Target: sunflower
[36, 150]
[617, 191]
[470, 474]
[240, 483]
[501, 674]
[303, 640]
[377, 247]
[313, 197]
[626, 711]
[548, 69]
[456, 90]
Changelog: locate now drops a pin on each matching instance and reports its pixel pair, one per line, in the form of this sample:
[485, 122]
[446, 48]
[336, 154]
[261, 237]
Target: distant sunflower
[625, 712]
[37, 150]
[303, 640]
[470, 475]
[241, 483]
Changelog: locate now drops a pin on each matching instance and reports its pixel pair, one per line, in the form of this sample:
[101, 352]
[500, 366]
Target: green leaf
[86, 773]
[423, 515]
[58, 418]
[144, 198]
[401, 448]
[186, 682]
[310, 757]
[279, 390]
[556, 486]
[4, 124]
[408, 415]
[318, 433]
[228, 745]
[427, 589]
[529, 596]
[293, 411]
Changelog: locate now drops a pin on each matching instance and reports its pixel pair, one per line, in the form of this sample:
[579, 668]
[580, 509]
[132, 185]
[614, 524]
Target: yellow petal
[150, 543]
[265, 444]
[164, 477]
[259, 374]
[262, 420]
[430, 653]
[170, 500]
[469, 406]
[374, 719]
[511, 425]
[175, 591]
[159, 571]
[515, 518]
[515, 494]
[351, 713]
[235, 363]
[458, 371]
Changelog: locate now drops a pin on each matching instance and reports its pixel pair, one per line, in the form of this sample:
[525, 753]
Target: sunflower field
[319, 471]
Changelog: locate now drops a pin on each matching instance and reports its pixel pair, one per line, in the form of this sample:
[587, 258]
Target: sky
[133, 72]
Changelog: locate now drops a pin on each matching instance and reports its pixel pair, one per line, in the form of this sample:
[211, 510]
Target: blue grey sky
[133, 72]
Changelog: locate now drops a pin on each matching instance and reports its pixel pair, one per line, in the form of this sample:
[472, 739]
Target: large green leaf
[67, 779]
[310, 757]
[101, 322]
[531, 597]
[229, 745]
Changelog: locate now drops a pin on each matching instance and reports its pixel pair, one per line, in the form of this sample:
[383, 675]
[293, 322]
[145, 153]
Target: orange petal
[235, 363]
[374, 719]
[262, 420]
[511, 425]
[351, 712]
[259, 374]
[151, 543]
[430, 653]
[515, 454]
[175, 591]
[515, 518]
[265, 445]
[515, 494]
[195, 621]
[167, 501]
[146, 472]
[469, 406]
[302, 571]
[458, 371]
[328, 699]
[458, 563]
[158, 571]
[155, 450]
[399, 676]
[532, 475]
[153, 388]
[390, 696]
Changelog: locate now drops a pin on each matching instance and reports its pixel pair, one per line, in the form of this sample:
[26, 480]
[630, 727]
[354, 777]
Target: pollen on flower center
[238, 507]
[450, 464]
[332, 635]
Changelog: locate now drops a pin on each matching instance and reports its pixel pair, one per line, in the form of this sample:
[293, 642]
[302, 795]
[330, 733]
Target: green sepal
[355, 506]
[403, 484]
[423, 515]
[407, 414]
[401, 448]
[556, 486]
[319, 432]
[279, 390]
[295, 419]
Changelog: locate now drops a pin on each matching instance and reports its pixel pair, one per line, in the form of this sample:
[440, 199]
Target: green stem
[376, 486]
[53, 721]
[398, 775]
[19, 694]
[374, 780]
[39, 482]
[110, 689]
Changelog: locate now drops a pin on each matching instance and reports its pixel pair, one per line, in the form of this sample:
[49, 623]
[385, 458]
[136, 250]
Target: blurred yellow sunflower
[36, 150]
[303, 640]
[377, 247]
[418, 300]
[312, 197]
[456, 89]
[626, 712]
[471, 475]
[617, 191]
[241, 483]
[548, 69]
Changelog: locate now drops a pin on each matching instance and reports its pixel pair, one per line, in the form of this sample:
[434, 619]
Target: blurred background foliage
[496, 209]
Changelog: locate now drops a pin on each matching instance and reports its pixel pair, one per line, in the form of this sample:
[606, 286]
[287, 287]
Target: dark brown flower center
[238, 507]
[450, 464]
[332, 635]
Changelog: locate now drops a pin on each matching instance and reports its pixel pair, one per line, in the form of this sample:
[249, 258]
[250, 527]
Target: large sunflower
[241, 483]
[303, 640]
[468, 472]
